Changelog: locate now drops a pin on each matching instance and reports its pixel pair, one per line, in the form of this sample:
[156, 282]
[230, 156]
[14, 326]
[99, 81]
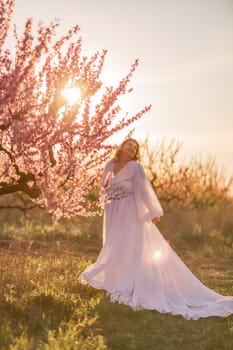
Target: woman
[136, 265]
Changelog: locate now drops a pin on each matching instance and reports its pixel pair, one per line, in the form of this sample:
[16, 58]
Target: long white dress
[136, 265]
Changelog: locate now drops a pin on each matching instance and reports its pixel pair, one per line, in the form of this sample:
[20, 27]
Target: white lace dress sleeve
[148, 205]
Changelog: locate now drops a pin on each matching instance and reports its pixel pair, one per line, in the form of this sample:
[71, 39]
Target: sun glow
[72, 95]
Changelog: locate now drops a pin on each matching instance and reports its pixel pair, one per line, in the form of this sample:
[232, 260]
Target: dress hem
[123, 297]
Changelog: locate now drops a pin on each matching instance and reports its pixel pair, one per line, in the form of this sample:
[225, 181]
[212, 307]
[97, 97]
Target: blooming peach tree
[50, 149]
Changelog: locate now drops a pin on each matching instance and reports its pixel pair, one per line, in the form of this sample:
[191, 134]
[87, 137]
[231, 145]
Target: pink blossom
[49, 149]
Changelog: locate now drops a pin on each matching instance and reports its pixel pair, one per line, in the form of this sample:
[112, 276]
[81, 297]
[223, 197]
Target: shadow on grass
[40, 314]
[124, 328]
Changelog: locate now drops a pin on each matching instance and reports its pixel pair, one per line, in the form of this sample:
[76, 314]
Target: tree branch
[33, 192]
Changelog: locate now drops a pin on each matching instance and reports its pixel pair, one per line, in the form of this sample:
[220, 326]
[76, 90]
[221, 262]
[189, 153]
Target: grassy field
[44, 307]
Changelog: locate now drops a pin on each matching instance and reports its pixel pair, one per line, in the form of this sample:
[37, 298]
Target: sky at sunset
[185, 49]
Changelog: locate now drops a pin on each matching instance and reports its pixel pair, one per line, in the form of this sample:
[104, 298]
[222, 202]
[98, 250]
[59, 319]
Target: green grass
[44, 307]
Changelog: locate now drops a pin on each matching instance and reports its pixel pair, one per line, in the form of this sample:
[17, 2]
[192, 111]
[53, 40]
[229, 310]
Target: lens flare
[158, 254]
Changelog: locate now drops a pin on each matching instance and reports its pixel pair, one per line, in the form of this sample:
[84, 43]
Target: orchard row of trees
[198, 184]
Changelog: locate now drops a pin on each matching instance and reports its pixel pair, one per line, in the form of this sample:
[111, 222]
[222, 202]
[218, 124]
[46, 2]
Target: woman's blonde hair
[118, 151]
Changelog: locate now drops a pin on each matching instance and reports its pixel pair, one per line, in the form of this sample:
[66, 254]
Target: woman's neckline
[113, 161]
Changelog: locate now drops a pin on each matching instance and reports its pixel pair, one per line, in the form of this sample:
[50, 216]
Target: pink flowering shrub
[50, 149]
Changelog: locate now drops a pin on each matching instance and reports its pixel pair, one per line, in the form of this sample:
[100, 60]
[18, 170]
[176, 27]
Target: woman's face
[129, 149]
